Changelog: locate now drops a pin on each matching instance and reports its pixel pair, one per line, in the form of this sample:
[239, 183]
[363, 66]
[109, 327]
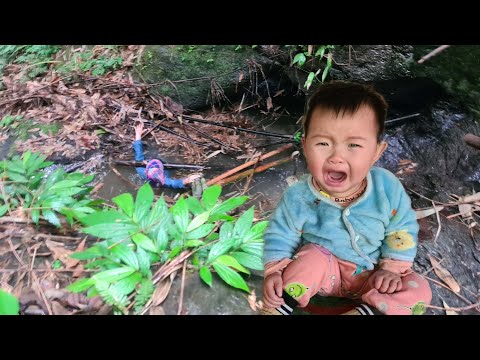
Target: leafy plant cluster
[138, 234]
[315, 55]
[24, 186]
[141, 233]
[39, 57]
[88, 61]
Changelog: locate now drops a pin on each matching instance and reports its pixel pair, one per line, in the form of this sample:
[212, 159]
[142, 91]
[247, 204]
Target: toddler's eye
[354, 145]
[322, 144]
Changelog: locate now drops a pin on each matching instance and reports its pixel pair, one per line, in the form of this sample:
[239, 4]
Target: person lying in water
[154, 170]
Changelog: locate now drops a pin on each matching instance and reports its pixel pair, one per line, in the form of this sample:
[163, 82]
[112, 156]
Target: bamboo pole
[472, 140]
[253, 171]
[247, 164]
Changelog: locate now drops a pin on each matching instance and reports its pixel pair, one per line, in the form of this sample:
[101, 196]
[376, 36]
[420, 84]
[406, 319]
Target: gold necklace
[324, 193]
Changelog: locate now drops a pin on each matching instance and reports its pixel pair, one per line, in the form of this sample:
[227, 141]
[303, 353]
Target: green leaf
[309, 80]
[127, 285]
[198, 221]
[143, 202]
[81, 285]
[256, 232]
[93, 252]
[320, 51]
[206, 275]
[194, 243]
[327, 68]
[228, 205]
[226, 232]
[175, 251]
[201, 232]
[218, 249]
[228, 260]
[161, 240]
[125, 254]
[180, 214]
[300, 58]
[144, 242]
[243, 224]
[3, 210]
[194, 205]
[253, 248]
[248, 260]
[65, 184]
[143, 262]
[231, 277]
[125, 202]
[210, 196]
[50, 216]
[111, 231]
[9, 304]
[103, 217]
[113, 274]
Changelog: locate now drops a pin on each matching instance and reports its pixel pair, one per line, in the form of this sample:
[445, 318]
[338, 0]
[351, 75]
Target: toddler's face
[341, 150]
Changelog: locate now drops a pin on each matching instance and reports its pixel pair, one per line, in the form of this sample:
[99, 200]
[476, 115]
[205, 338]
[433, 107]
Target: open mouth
[335, 178]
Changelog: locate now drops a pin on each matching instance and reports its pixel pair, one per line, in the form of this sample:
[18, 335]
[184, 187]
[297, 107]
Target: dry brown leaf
[162, 290]
[447, 311]
[252, 301]
[444, 274]
[59, 252]
[427, 212]
[58, 309]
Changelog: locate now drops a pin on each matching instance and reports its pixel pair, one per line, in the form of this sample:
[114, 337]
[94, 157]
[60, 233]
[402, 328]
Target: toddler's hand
[138, 131]
[191, 178]
[272, 290]
[386, 281]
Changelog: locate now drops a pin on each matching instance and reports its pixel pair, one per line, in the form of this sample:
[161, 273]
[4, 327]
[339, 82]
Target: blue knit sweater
[380, 224]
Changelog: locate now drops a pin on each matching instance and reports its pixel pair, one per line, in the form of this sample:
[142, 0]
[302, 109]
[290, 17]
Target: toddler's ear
[381, 147]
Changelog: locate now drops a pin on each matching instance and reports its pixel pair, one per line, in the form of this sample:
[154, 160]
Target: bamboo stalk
[433, 53]
[253, 171]
[472, 140]
[247, 164]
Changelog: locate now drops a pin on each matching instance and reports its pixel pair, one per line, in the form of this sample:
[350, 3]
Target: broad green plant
[23, 185]
[142, 232]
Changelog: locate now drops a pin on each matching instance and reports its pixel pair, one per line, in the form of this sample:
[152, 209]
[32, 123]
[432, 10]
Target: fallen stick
[166, 166]
[253, 171]
[433, 53]
[472, 140]
[247, 164]
[210, 122]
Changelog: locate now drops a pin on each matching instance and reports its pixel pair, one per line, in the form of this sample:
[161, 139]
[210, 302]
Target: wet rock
[221, 299]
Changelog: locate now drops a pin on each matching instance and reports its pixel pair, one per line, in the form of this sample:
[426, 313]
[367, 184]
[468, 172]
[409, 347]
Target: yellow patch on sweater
[400, 240]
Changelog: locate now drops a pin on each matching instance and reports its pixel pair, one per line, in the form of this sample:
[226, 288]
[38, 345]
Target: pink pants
[316, 270]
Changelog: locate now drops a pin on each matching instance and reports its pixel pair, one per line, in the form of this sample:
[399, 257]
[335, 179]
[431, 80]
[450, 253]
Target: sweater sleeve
[174, 183]
[138, 149]
[401, 234]
[281, 237]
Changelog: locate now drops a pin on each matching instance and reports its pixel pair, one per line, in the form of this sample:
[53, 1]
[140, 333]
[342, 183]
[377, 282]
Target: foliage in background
[141, 233]
[24, 186]
[313, 55]
[39, 58]
[8, 304]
